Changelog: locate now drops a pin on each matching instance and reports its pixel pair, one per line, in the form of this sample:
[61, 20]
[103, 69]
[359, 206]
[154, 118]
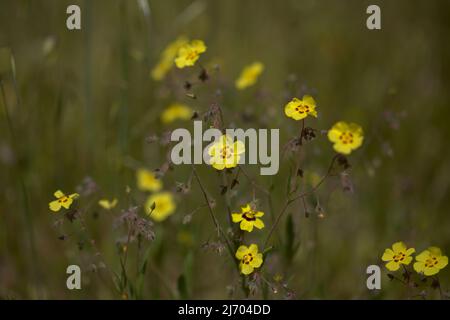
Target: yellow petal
[392, 265]
[246, 225]
[407, 260]
[258, 223]
[236, 217]
[309, 100]
[342, 148]
[241, 252]
[430, 271]
[410, 251]
[259, 214]
[257, 260]
[388, 255]
[253, 249]
[55, 205]
[442, 262]
[246, 268]
[333, 135]
[419, 267]
[423, 256]
[399, 247]
[435, 251]
[58, 194]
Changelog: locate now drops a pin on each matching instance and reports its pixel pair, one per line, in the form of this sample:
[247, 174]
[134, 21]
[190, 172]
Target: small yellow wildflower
[166, 59]
[346, 137]
[249, 75]
[399, 254]
[106, 204]
[147, 181]
[430, 261]
[62, 200]
[249, 257]
[176, 111]
[225, 153]
[248, 218]
[189, 53]
[160, 205]
[299, 109]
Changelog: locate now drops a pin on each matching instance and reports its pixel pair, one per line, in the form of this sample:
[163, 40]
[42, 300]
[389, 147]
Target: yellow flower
[430, 261]
[346, 137]
[160, 205]
[106, 204]
[249, 75]
[189, 53]
[62, 200]
[166, 59]
[147, 181]
[176, 111]
[249, 257]
[248, 218]
[225, 153]
[299, 109]
[399, 254]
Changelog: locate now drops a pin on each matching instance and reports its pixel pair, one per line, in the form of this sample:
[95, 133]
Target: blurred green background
[82, 103]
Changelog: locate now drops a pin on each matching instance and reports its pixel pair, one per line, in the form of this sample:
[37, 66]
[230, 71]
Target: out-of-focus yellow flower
[249, 75]
[189, 53]
[106, 204]
[147, 181]
[249, 257]
[176, 111]
[167, 57]
[430, 261]
[160, 205]
[225, 153]
[399, 254]
[299, 109]
[346, 137]
[62, 200]
[248, 218]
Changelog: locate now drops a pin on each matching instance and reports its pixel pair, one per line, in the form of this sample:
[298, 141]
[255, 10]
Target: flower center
[346, 137]
[249, 216]
[226, 152]
[191, 55]
[302, 108]
[399, 257]
[247, 258]
[63, 199]
[431, 262]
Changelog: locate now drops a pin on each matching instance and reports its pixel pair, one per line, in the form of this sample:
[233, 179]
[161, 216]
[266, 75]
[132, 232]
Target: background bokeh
[82, 103]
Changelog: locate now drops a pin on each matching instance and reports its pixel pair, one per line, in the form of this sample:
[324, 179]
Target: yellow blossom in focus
[147, 181]
[346, 137]
[249, 75]
[248, 218]
[398, 255]
[225, 153]
[249, 257]
[430, 261]
[176, 111]
[160, 205]
[62, 200]
[106, 204]
[166, 59]
[299, 109]
[189, 53]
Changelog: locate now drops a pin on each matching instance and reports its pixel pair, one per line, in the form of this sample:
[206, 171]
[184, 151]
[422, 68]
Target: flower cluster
[429, 262]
